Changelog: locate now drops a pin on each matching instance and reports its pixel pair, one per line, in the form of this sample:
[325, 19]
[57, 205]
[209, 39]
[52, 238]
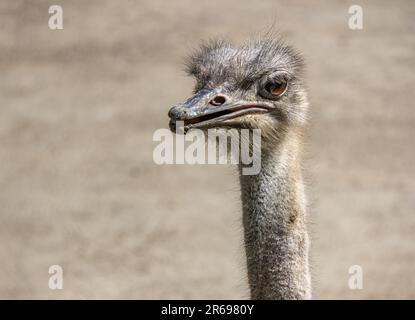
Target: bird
[259, 84]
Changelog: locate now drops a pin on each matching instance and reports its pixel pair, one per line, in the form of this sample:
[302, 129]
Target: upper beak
[209, 108]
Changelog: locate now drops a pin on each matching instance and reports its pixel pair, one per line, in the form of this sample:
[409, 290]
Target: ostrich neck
[276, 239]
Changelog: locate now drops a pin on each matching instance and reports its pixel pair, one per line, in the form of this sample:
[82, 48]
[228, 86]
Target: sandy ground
[79, 188]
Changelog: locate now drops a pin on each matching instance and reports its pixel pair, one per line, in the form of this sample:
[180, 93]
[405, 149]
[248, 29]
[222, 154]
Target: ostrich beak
[212, 108]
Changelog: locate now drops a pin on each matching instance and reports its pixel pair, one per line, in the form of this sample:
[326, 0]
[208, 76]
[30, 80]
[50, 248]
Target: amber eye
[273, 90]
[276, 89]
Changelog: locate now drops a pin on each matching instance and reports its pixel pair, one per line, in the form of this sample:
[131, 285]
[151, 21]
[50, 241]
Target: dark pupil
[272, 86]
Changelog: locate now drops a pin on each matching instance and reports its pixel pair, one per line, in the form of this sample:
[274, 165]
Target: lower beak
[209, 109]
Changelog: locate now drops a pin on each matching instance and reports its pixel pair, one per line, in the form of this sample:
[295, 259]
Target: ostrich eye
[273, 90]
[276, 89]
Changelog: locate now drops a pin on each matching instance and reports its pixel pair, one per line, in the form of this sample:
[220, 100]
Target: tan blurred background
[79, 188]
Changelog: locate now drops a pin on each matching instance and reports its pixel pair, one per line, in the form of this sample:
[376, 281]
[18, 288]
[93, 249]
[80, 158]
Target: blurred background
[79, 188]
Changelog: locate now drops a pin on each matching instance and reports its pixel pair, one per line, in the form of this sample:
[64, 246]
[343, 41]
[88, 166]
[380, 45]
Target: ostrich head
[255, 86]
[259, 86]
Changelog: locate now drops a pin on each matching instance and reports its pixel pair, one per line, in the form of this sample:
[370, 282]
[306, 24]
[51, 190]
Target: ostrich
[258, 85]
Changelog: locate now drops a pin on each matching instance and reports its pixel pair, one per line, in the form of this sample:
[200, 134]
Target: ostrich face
[255, 86]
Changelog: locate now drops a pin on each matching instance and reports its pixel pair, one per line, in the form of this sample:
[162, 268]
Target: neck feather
[274, 212]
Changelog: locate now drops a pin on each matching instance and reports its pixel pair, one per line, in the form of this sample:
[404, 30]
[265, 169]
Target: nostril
[217, 101]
